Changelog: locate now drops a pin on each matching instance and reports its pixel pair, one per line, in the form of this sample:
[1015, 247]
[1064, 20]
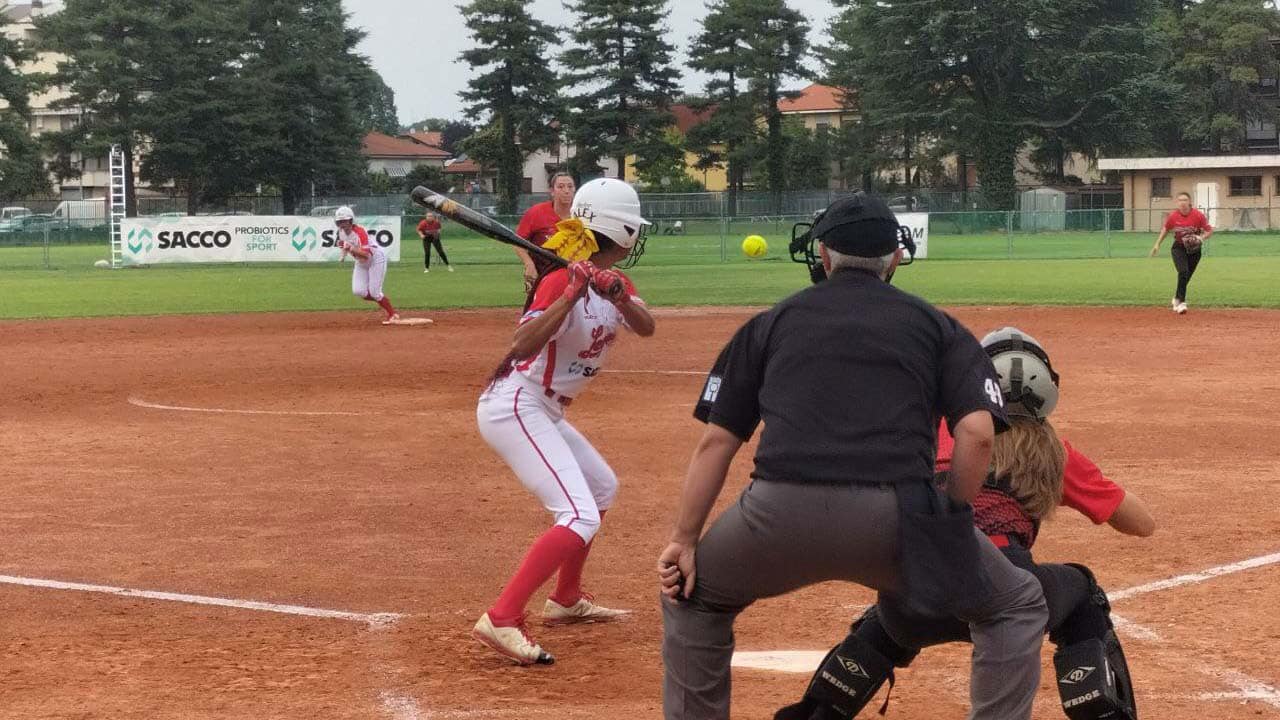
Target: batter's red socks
[569, 581]
[548, 553]
[385, 304]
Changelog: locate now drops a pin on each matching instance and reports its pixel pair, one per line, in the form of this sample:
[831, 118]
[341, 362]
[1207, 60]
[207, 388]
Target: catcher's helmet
[1027, 379]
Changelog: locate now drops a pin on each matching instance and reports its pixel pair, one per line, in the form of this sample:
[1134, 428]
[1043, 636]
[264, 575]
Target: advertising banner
[245, 238]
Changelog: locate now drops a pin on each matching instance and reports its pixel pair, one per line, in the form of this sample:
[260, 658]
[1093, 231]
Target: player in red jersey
[539, 222]
[573, 319]
[1032, 473]
[1190, 229]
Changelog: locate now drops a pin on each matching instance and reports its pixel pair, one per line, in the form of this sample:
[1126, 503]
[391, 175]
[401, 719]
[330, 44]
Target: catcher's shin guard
[1093, 680]
[845, 682]
[1093, 675]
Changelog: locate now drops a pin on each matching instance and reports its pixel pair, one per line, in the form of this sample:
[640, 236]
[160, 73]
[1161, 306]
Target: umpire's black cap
[861, 225]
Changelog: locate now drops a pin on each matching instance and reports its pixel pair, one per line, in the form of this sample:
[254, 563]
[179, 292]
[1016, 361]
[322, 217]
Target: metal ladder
[117, 205]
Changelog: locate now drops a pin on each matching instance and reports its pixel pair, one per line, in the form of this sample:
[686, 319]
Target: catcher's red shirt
[1084, 487]
[1177, 223]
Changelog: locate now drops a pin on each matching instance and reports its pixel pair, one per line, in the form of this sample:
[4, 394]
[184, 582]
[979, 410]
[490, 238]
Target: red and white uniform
[369, 274]
[521, 416]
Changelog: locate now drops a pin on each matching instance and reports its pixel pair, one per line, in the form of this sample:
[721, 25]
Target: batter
[573, 320]
[371, 262]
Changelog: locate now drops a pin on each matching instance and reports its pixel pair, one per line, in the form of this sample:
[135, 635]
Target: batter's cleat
[512, 642]
[583, 611]
[393, 320]
[1181, 309]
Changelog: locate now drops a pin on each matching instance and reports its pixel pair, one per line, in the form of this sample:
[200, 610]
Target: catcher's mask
[804, 248]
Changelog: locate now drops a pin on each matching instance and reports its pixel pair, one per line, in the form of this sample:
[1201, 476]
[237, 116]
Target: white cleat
[450, 268]
[1181, 308]
[511, 642]
[424, 272]
[583, 611]
[393, 320]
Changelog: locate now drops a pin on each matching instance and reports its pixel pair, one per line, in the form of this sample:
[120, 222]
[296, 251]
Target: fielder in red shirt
[539, 223]
[429, 231]
[1032, 473]
[1190, 229]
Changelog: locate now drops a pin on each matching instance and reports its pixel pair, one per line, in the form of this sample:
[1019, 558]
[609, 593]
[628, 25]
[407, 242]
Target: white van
[13, 213]
[81, 213]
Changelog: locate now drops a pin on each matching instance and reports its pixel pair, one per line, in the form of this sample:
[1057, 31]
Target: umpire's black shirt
[850, 377]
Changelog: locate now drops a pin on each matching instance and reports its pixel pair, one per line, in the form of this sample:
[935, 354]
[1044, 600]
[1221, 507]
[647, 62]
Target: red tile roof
[815, 98]
[687, 118]
[434, 138]
[462, 166]
[377, 144]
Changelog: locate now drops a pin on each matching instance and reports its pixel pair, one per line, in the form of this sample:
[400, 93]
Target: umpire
[849, 377]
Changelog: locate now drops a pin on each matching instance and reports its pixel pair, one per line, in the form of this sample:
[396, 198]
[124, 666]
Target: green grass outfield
[1070, 268]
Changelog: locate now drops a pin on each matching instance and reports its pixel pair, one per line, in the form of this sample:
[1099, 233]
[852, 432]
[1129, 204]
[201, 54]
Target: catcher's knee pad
[1091, 619]
[1093, 680]
[845, 682]
[870, 628]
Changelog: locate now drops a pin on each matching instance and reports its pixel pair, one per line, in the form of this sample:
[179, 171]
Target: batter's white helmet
[343, 213]
[1027, 379]
[611, 207]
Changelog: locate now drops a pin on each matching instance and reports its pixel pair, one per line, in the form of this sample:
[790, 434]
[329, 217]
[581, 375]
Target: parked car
[82, 213]
[30, 223]
[328, 210]
[13, 212]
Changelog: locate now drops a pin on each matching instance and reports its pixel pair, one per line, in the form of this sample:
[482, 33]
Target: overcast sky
[415, 44]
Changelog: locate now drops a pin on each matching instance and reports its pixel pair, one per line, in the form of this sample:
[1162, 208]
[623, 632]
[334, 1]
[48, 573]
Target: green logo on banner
[303, 236]
[143, 236]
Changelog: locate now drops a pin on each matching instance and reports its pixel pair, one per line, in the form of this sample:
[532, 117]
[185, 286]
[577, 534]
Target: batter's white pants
[552, 459]
[367, 277]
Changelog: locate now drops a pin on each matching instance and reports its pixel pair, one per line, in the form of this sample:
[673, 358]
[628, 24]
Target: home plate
[788, 661]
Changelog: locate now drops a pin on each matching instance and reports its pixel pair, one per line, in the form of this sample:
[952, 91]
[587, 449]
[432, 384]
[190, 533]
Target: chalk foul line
[138, 402]
[374, 620]
[1196, 577]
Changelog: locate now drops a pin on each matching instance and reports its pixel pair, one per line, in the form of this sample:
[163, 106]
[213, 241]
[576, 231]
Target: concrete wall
[1145, 213]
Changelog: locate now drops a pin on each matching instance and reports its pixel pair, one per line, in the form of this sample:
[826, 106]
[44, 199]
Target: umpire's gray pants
[781, 537]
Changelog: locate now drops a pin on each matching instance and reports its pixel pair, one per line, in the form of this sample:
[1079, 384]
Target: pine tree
[988, 77]
[776, 45]
[105, 43]
[197, 128]
[620, 61]
[375, 100]
[513, 87]
[300, 73]
[726, 136]
[22, 170]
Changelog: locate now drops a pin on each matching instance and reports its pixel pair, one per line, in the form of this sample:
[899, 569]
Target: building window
[1275, 189]
[1161, 187]
[823, 126]
[1245, 186]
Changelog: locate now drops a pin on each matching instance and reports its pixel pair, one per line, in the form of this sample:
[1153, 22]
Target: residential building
[712, 179]
[1237, 192]
[396, 156]
[818, 106]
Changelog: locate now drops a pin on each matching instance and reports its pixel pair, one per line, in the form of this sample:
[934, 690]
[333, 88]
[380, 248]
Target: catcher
[1033, 472]
[1190, 229]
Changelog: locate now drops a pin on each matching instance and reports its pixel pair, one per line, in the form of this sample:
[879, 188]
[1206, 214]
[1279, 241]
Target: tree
[453, 133]
[621, 60]
[428, 125]
[720, 52]
[513, 87]
[105, 44]
[22, 171]
[989, 77]
[375, 100]
[426, 175]
[808, 154]
[196, 126]
[775, 43]
[1217, 52]
[665, 170]
[299, 73]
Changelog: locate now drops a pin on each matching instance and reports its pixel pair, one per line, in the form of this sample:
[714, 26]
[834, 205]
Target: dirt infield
[325, 461]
